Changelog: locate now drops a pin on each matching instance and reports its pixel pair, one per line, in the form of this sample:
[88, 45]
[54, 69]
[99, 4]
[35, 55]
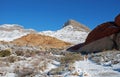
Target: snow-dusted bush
[12, 59]
[109, 57]
[27, 53]
[70, 58]
[24, 72]
[19, 53]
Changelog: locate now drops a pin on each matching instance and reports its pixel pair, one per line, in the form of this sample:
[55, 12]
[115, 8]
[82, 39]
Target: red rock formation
[103, 30]
[117, 20]
[75, 48]
[102, 37]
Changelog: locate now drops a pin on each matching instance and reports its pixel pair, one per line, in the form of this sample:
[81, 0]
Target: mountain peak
[76, 25]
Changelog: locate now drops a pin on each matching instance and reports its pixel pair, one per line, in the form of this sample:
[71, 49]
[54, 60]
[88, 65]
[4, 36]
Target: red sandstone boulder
[75, 48]
[103, 30]
[105, 43]
[118, 41]
[117, 20]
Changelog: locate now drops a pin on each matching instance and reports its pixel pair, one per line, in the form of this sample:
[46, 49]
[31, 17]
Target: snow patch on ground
[90, 69]
[52, 65]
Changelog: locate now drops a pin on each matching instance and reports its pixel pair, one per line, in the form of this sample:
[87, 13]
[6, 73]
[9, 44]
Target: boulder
[101, 31]
[118, 41]
[75, 48]
[117, 20]
[105, 43]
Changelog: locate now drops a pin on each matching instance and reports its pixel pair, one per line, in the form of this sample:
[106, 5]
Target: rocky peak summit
[76, 25]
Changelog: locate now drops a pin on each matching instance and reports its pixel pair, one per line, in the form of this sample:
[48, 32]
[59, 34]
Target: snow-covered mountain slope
[9, 32]
[72, 32]
[69, 33]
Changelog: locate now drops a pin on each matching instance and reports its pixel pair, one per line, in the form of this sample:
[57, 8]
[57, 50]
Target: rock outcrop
[117, 20]
[77, 26]
[103, 30]
[104, 37]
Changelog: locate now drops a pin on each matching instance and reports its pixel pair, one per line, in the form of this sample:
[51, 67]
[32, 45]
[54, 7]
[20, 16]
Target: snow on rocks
[68, 34]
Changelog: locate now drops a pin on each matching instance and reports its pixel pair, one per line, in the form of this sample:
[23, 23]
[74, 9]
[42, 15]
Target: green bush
[4, 53]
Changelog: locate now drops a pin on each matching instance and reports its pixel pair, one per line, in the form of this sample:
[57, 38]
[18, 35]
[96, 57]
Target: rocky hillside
[43, 41]
[72, 32]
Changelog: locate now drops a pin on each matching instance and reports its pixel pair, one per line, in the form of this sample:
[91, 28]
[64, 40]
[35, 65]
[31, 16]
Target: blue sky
[51, 14]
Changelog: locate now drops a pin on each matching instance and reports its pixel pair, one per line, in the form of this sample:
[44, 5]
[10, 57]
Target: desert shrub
[25, 72]
[12, 59]
[70, 58]
[106, 56]
[27, 53]
[19, 53]
[4, 53]
[43, 66]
